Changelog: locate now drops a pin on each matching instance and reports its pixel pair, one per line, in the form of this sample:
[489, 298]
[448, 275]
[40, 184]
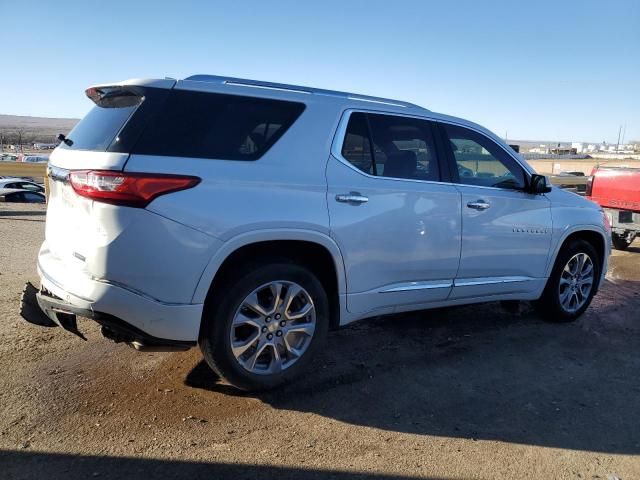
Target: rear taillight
[128, 189]
[589, 187]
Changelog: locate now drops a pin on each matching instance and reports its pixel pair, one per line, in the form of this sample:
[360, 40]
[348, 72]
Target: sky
[543, 70]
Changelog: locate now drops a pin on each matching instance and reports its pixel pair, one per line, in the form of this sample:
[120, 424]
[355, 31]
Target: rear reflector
[589, 187]
[128, 189]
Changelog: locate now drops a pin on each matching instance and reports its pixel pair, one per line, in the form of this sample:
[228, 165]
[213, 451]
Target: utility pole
[624, 132]
[619, 132]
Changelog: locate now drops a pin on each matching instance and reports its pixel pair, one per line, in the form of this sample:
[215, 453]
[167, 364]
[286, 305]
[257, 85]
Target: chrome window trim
[339, 138]
[381, 102]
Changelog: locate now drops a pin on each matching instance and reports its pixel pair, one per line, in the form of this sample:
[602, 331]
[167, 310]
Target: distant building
[539, 149]
[563, 151]
[579, 147]
[629, 148]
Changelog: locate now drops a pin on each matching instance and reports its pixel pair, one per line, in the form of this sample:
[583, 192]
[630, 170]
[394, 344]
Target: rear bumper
[623, 220]
[43, 309]
[115, 306]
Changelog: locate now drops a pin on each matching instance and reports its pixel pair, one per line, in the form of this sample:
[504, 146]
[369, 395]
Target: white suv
[250, 217]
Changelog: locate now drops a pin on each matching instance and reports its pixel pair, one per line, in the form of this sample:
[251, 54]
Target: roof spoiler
[101, 93]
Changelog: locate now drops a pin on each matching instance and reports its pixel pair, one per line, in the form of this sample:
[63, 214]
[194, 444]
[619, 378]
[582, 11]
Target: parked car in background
[44, 146]
[249, 217]
[19, 183]
[17, 195]
[8, 157]
[35, 158]
[617, 190]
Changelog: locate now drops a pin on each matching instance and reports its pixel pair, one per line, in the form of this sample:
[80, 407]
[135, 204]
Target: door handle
[352, 197]
[478, 205]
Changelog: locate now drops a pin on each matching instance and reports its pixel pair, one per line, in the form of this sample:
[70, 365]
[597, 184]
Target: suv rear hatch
[100, 141]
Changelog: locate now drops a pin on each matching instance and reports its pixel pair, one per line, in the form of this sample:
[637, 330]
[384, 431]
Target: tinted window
[206, 125]
[13, 197]
[32, 187]
[356, 147]
[98, 129]
[480, 161]
[402, 147]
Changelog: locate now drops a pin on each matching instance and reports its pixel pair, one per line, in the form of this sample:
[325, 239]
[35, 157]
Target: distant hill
[34, 129]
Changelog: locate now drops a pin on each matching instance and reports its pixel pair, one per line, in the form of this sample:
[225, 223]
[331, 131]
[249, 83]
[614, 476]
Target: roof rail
[298, 89]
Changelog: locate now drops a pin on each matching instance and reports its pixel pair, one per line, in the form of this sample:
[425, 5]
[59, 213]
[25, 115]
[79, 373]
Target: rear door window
[403, 147]
[217, 126]
[391, 146]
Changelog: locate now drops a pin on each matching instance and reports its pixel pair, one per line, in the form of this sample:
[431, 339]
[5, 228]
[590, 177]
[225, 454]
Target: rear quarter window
[217, 126]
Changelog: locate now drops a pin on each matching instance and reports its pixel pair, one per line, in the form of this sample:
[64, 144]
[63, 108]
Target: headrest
[401, 164]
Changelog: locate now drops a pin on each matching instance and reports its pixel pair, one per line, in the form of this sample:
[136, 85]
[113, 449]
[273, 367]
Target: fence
[554, 156]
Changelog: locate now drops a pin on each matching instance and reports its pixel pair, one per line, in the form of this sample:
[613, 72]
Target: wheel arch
[590, 233]
[313, 249]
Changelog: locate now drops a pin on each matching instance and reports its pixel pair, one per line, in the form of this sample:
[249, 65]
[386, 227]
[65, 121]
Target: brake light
[589, 187]
[127, 189]
[590, 179]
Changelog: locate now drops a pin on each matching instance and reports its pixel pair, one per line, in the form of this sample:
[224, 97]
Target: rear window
[100, 127]
[208, 125]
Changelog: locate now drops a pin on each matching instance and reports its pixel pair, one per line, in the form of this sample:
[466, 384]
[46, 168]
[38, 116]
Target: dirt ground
[470, 392]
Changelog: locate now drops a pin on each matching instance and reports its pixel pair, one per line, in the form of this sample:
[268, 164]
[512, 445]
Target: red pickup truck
[617, 191]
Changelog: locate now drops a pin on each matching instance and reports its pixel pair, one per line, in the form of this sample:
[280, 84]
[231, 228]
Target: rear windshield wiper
[65, 140]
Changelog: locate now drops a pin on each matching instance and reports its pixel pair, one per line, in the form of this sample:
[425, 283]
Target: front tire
[572, 284]
[266, 326]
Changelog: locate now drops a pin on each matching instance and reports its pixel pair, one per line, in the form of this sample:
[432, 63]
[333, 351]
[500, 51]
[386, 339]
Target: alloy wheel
[576, 282]
[273, 327]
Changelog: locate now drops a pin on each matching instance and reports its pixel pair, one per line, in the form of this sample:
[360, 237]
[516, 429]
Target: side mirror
[538, 184]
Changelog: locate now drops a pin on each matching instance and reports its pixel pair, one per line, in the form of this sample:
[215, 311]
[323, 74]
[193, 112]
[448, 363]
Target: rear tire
[251, 338]
[572, 284]
[622, 242]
